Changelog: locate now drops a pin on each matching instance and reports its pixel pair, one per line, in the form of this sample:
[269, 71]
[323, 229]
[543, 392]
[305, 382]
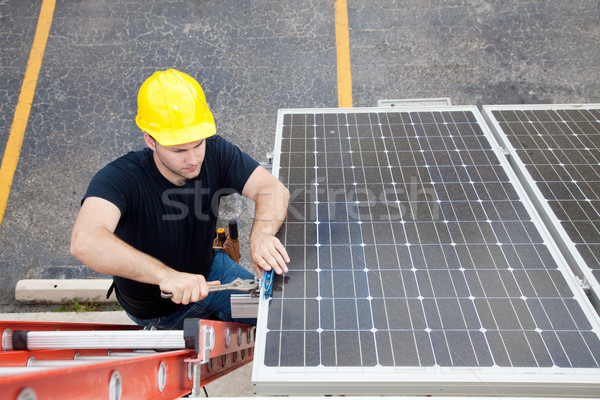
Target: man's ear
[150, 141]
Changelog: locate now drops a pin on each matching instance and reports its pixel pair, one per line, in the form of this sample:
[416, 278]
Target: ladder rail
[119, 379]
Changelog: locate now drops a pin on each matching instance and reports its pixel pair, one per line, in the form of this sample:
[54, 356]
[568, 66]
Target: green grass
[88, 306]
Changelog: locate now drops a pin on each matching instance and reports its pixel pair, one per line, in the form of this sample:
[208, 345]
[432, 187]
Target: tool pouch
[230, 247]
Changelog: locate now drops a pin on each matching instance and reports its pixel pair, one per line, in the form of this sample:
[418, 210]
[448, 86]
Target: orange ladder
[42, 360]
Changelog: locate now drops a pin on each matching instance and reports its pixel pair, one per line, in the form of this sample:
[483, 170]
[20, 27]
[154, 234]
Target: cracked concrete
[476, 52]
[252, 58]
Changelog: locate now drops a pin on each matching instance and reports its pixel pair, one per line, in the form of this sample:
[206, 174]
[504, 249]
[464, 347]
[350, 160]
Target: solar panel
[418, 266]
[557, 151]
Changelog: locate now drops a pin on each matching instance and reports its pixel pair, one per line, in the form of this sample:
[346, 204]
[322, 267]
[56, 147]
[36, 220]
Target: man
[149, 217]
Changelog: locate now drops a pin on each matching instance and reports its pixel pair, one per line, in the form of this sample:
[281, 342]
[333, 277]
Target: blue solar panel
[559, 148]
[412, 247]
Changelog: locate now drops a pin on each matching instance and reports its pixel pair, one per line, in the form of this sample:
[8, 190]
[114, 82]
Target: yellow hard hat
[173, 110]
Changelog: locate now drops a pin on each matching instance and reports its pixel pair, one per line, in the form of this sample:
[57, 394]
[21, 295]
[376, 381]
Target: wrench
[238, 285]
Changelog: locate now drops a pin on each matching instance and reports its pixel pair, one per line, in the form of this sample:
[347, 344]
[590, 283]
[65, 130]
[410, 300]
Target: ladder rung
[112, 356]
[57, 363]
[7, 371]
[159, 340]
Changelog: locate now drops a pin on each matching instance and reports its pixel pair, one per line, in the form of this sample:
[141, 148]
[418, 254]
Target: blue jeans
[215, 306]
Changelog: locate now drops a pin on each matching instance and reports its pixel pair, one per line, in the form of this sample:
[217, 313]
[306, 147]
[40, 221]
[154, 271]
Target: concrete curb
[95, 317]
[62, 291]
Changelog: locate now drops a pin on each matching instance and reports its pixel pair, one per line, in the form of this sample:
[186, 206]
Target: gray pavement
[252, 58]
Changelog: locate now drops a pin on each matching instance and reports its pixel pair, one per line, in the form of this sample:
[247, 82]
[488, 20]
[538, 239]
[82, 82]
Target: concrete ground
[252, 58]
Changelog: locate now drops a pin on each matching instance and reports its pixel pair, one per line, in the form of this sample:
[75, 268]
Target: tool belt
[226, 244]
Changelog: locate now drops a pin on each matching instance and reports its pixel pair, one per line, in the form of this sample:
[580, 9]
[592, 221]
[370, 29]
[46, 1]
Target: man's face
[178, 163]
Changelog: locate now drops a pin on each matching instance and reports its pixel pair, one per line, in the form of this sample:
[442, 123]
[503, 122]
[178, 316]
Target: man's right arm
[94, 243]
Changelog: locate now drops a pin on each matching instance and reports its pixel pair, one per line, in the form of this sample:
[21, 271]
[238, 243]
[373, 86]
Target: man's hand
[186, 288]
[272, 199]
[267, 254]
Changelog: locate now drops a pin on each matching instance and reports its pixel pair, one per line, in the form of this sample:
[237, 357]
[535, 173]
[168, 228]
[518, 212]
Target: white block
[244, 306]
[428, 102]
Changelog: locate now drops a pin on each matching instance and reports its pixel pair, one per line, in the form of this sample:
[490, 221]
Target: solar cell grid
[560, 149]
[411, 247]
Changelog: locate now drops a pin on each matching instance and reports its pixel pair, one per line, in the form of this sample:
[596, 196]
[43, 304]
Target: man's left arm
[271, 198]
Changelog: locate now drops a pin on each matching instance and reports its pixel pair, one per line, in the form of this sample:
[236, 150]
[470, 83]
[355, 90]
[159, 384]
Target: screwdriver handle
[233, 230]
[221, 237]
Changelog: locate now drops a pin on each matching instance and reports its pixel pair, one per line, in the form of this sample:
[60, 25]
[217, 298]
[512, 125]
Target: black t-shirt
[175, 224]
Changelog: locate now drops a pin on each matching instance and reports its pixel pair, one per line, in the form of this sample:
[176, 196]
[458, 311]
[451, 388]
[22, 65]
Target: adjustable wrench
[238, 285]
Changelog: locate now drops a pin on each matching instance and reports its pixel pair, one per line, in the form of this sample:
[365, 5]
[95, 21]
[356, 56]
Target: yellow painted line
[19, 123]
[342, 39]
